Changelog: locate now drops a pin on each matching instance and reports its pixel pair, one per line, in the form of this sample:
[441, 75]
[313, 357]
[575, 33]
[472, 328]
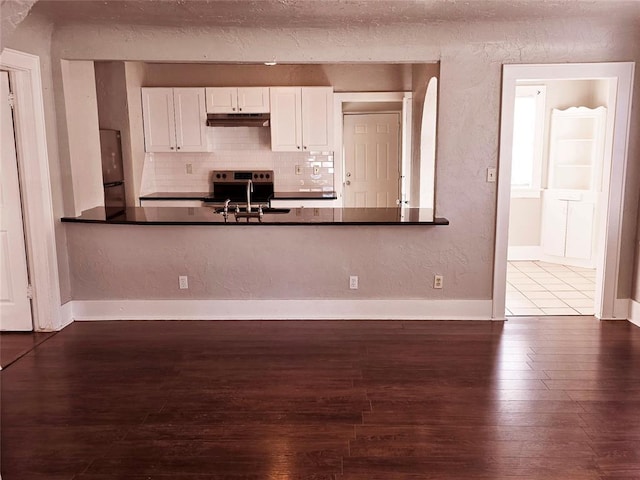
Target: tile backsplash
[237, 148]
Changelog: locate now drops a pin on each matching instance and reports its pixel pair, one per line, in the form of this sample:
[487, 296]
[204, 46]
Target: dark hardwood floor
[14, 345]
[552, 398]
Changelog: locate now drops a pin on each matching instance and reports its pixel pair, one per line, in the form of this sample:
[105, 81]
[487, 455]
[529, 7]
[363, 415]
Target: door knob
[348, 182]
[348, 174]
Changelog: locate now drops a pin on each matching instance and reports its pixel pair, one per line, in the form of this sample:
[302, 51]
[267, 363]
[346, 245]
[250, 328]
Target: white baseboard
[66, 314]
[620, 310]
[524, 253]
[634, 312]
[281, 310]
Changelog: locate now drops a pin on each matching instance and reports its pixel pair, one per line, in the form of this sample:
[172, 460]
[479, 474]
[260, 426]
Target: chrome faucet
[249, 190]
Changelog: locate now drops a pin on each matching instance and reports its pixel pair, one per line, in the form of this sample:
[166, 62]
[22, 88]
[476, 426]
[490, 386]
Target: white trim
[621, 310]
[406, 149]
[281, 310]
[634, 312]
[36, 187]
[529, 253]
[609, 261]
[66, 315]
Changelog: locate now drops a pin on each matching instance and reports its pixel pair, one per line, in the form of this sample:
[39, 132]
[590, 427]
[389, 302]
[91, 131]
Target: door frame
[35, 185]
[608, 263]
[406, 98]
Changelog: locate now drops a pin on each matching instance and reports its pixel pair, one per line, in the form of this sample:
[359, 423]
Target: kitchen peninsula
[280, 216]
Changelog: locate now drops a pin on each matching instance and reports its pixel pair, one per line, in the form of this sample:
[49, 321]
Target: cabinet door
[286, 119]
[222, 100]
[191, 117]
[554, 226]
[158, 119]
[580, 220]
[253, 99]
[317, 118]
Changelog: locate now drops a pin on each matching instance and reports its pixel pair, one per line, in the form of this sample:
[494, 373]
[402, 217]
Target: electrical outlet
[183, 281]
[353, 282]
[437, 281]
[491, 174]
[298, 169]
[316, 170]
[189, 168]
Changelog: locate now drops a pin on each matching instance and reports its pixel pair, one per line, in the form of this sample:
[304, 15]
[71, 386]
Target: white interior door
[15, 306]
[372, 160]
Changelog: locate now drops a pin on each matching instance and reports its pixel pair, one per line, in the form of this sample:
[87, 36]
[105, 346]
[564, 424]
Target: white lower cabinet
[304, 203]
[568, 225]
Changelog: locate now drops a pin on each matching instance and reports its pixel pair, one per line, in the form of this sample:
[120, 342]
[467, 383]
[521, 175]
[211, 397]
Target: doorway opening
[560, 189]
[561, 144]
[363, 115]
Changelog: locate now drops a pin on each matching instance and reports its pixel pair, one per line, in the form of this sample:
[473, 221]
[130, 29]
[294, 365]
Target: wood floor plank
[550, 398]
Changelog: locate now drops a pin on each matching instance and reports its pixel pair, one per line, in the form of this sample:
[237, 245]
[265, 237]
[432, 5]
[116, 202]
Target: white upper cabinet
[286, 119]
[222, 100]
[317, 118]
[301, 119]
[159, 120]
[238, 100]
[174, 119]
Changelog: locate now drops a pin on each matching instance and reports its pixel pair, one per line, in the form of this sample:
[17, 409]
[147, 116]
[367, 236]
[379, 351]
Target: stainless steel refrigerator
[112, 171]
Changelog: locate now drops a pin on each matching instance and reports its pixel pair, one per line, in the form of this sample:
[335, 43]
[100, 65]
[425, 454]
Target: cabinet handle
[298, 147]
[171, 148]
[233, 109]
[305, 147]
[239, 109]
[178, 148]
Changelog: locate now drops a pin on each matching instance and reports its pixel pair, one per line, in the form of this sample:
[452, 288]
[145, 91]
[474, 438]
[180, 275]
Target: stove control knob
[267, 176]
[224, 175]
[262, 175]
[217, 175]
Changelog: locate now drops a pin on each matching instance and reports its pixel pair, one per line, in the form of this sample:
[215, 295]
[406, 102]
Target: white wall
[81, 109]
[471, 57]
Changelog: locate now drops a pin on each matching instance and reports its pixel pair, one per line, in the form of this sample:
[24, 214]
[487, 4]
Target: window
[528, 131]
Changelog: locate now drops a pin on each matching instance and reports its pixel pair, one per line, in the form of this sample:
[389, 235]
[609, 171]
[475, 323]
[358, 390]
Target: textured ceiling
[324, 13]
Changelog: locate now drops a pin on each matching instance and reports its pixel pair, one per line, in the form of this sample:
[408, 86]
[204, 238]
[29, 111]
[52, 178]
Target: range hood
[237, 119]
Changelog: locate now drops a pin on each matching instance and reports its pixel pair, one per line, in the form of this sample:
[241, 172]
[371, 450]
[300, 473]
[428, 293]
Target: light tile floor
[540, 288]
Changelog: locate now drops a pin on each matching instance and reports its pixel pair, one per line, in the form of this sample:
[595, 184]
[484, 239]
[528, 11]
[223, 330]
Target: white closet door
[15, 306]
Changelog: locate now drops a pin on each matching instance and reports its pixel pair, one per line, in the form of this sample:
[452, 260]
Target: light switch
[491, 174]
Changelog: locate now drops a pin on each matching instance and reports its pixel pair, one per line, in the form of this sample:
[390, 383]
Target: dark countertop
[203, 196]
[294, 216]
